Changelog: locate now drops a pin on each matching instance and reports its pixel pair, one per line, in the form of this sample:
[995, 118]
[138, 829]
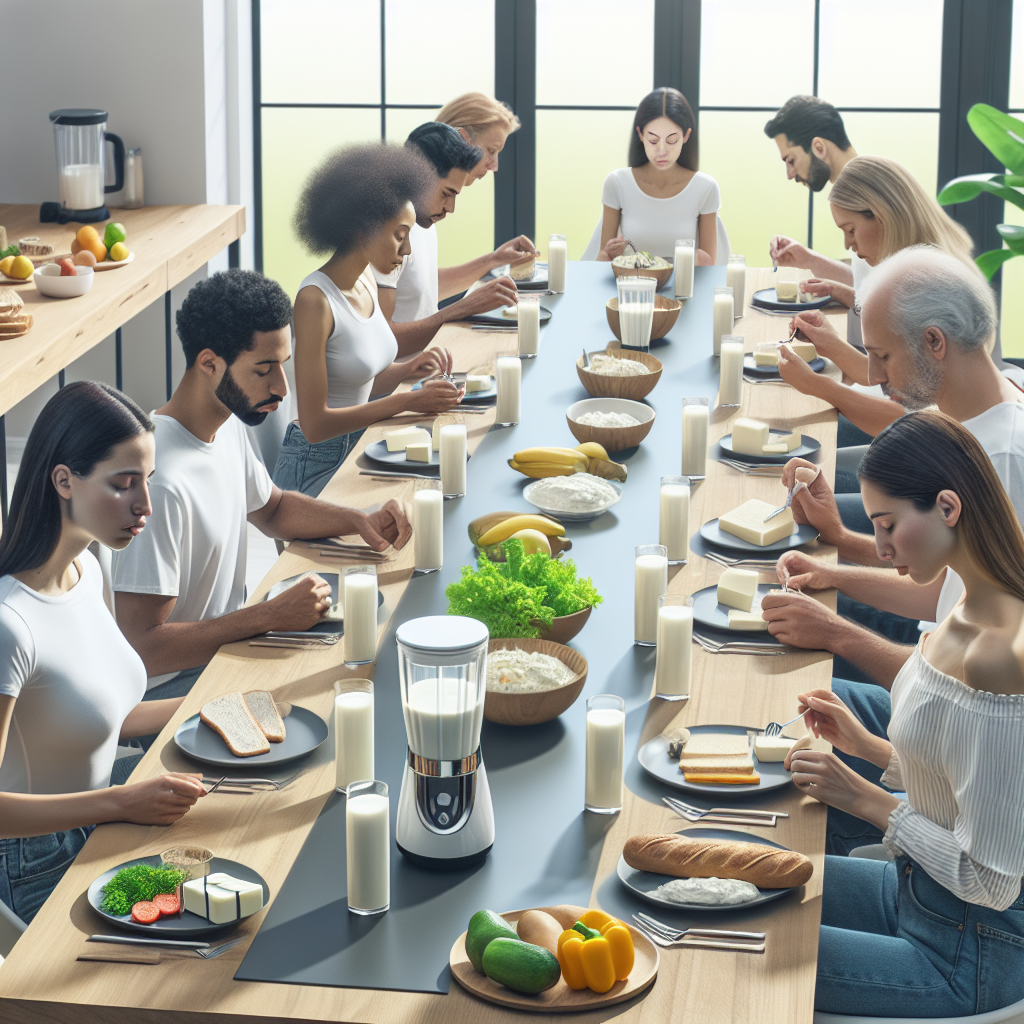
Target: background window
[1013, 272]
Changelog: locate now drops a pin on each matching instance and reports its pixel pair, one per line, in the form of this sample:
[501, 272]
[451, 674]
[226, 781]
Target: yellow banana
[569, 456]
[538, 470]
[593, 450]
[607, 470]
[502, 531]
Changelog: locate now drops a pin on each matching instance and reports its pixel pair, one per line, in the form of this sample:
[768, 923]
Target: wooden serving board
[560, 998]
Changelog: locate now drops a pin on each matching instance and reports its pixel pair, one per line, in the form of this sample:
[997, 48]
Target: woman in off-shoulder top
[939, 931]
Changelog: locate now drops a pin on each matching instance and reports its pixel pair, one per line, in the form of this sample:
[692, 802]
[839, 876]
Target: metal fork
[781, 508]
[755, 468]
[736, 646]
[696, 814]
[212, 951]
[266, 785]
[774, 729]
[750, 563]
[675, 803]
[702, 938]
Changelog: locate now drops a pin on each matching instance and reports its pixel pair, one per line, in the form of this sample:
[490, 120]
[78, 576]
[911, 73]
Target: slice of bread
[264, 710]
[230, 717]
[714, 744]
[727, 764]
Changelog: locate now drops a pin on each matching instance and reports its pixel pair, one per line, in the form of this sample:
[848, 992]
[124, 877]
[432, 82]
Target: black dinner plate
[304, 732]
[713, 534]
[709, 613]
[767, 299]
[495, 317]
[378, 452]
[645, 883]
[468, 399]
[772, 372]
[807, 449]
[188, 925]
[539, 281]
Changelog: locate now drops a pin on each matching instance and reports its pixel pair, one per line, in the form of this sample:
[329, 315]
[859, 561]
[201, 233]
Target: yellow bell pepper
[620, 942]
[598, 920]
[598, 966]
[570, 945]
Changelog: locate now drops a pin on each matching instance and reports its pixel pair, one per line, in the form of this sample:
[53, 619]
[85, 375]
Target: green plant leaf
[989, 262]
[1013, 236]
[1002, 134]
[962, 190]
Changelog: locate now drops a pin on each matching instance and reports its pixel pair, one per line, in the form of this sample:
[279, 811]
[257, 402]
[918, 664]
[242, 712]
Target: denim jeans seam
[867, 982]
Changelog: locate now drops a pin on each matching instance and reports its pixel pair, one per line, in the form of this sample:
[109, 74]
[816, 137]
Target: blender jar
[79, 136]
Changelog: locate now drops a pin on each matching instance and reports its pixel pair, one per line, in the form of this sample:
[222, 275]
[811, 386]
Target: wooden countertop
[42, 981]
[169, 243]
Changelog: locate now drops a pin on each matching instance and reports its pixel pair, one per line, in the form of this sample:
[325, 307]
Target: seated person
[661, 195]
[357, 209]
[485, 123]
[410, 293]
[180, 588]
[939, 932]
[70, 684]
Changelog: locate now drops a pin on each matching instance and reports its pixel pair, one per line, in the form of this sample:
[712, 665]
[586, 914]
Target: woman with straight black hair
[71, 686]
[661, 195]
[939, 931]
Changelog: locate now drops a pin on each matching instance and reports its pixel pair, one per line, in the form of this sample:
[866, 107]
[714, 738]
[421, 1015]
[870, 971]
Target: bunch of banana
[504, 530]
[599, 462]
[542, 462]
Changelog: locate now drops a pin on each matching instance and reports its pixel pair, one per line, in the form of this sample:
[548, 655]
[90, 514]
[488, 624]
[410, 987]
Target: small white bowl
[50, 283]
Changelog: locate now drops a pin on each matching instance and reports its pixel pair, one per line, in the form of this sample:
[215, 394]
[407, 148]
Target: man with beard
[929, 320]
[179, 593]
[409, 294]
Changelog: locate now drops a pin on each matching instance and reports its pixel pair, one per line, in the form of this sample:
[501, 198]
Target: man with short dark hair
[180, 586]
[409, 295]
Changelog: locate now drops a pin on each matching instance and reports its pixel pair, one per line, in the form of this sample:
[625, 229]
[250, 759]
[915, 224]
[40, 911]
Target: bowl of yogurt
[531, 681]
[615, 423]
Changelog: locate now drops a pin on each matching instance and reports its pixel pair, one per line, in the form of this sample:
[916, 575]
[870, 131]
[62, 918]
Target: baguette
[264, 710]
[229, 716]
[676, 855]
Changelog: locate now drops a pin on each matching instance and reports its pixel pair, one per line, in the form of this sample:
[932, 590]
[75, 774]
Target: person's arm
[148, 717]
[452, 280]
[426, 364]
[842, 292]
[788, 252]
[612, 243]
[707, 242]
[817, 329]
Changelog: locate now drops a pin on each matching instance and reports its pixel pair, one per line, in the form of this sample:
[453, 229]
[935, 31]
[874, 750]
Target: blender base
[444, 863]
[51, 213]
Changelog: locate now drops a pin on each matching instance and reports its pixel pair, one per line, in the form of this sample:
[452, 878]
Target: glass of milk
[528, 320]
[606, 741]
[428, 526]
[674, 664]
[360, 595]
[736, 279]
[353, 731]
[651, 581]
[368, 847]
[730, 382]
[558, 256]
[452, 456]
[509, 380]
[723, 316]
[685, 250]
[674, 508]
[636, 310]
[695, 438]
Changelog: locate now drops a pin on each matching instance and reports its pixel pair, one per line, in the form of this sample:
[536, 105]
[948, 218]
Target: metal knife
[125, 940]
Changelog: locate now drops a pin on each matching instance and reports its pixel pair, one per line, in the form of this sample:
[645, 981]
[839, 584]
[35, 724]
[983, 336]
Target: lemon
[22, 268]
[119, 251]
[5, 265]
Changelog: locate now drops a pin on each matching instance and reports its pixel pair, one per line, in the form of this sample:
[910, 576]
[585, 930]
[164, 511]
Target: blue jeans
[895, 943]
[31, 868]
[306, 467]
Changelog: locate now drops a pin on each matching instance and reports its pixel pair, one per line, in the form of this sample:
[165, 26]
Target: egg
[84, 258]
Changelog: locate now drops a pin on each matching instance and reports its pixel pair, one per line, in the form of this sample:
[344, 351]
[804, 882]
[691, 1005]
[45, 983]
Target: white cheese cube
[766, 354]
[477, 382]
[805, 350]
[772, 748]
[749, 436]
[786, 291]
[746, 620]
[419, 452]
[747, 523]
[398, 440]
[736, 589]
[220, 898]
[781, 445]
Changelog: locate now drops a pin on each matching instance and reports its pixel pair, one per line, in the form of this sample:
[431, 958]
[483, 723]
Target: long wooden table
[42, 981]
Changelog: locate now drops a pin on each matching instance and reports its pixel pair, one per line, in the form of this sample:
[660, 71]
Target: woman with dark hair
[661, 195]
[71, 686]
[357, 208]
[939, 932]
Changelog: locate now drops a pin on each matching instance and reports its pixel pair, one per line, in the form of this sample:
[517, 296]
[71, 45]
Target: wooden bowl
[614, 439]
[565, 627]
[600, 385]
[666, 313]
[660, 274]
[534, 708]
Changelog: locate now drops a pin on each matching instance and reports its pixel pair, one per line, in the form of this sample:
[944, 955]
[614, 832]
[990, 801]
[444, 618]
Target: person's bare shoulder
[994, 661]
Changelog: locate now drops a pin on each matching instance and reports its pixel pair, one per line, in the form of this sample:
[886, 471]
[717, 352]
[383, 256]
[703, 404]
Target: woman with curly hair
[357, 209]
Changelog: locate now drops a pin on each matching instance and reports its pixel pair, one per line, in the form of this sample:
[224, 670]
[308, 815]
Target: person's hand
[302, 605]
[788, 252]
[794, 371]
[824, 777]
[801, 572]
[499, 291]
[429, 363]
[519, 250]
[386, 526]
[831, 720]
[817, 286]
[814, 503]
[158, 801]
[434, 396]
[616, 247]
[817, 328]
[800, 621]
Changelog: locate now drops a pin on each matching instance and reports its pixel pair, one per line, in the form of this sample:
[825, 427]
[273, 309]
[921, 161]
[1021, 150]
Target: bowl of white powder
[619, 373]
[531, 681]
[615, 423]
[573, 499]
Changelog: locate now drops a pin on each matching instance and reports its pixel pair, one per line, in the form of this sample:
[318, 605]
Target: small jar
[134, 197]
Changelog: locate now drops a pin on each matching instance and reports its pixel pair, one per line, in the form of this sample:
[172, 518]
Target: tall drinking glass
[606, 741]
[723, 316]
[452, 456]
[674, 517]
[636, 310]
[353, 731]
[695, 438]
[360, 593]
[368, 847]
[528, 321]
[736, 279]
[730, 381]
[558, 256]
[674, 664]
[428, 527]
[685, 251]
[509, 380]
[650, 582]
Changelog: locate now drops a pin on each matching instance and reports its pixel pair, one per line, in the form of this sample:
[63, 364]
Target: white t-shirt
[1000, 431]
[416, 279]
[194, 544]
[75, 679]
[358, 348]
[653, 225]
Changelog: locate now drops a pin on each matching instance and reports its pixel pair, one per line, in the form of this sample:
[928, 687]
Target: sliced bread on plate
[264, 710]
[230, 717]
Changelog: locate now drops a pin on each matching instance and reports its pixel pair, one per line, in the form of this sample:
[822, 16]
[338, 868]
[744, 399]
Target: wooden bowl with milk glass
[613, 438]
[666, 313]
[535, 706]
[633, 386]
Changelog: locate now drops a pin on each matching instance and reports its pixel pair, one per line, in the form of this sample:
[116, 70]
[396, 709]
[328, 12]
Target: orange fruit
[87, 236]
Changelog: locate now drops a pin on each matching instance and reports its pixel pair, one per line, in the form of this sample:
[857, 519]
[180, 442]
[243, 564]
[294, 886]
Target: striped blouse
[959, 755]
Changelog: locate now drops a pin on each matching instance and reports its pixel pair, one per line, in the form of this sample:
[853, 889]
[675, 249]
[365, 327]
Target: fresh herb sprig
[138, 882]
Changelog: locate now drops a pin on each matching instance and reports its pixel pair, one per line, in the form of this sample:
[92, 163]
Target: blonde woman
[483, 122]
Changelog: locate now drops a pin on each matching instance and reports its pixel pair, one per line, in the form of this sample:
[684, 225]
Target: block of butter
[781, 445]
[736, 589]
[747, 620]
[772, 748]
[766, 354]
[804, 349]
[477, 382]
[418, 452]
[398, 440]
[747, 523]
[786, 291]
[220, 898]
[749, 436]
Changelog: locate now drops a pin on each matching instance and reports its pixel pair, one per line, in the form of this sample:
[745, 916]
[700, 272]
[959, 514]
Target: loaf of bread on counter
[681, 857]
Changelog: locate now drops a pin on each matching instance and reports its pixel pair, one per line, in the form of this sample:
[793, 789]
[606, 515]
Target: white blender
[445, 818]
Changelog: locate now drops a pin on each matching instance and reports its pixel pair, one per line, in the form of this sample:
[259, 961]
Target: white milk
[674, 531]
[509, 378]
[635, 320]
[81, 186]
[606, 738]
[428, 529]
[368, 852]
[684, 268]
[558, 256]
[452, 455]
[675, 651]
[651, 575]
[529, 328]
[695, 440]
[736, 279]
[442, 721]
[730, 382]
[353, 737]
[360, 618]
[723, 316]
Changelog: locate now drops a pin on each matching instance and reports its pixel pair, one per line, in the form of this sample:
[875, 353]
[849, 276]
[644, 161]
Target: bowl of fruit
[63, 279]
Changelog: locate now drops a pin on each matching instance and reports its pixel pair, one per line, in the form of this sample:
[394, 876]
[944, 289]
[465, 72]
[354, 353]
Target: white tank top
[358, 347]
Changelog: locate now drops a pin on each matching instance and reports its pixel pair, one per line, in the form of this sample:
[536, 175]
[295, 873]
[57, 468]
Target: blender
[80, 137]
[445, 819]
